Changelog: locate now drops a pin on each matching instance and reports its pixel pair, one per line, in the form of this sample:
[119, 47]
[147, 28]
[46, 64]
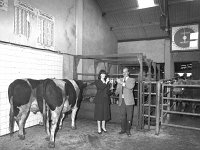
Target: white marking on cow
[75, 108]
[60, 84]
[76, 89]
[34, 106]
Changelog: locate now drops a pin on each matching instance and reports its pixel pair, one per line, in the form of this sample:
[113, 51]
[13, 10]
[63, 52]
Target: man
[126, 101]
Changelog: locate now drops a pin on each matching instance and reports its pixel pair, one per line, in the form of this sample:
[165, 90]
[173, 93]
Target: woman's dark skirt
[102, 112]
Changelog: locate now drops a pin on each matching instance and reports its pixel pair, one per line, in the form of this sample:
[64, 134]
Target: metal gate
[167, 103]
[147, 104]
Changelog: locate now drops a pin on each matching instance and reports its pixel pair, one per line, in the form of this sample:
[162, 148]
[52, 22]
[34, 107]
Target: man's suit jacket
[127, 91]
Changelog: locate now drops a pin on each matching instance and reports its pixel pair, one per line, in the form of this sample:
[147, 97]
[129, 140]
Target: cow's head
[113, 85]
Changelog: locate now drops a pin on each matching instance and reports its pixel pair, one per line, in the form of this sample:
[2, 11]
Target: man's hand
[107, 80]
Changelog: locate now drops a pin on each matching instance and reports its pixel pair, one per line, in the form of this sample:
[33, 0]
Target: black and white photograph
[99, 75]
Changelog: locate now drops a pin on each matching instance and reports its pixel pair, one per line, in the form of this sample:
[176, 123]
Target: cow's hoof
[47, 138]
[74, 128]
[51, 145]
[21, 137]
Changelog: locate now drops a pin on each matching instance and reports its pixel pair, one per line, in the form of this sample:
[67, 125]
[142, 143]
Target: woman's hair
[101, 72]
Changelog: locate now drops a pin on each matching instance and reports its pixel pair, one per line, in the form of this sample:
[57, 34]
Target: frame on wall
[185, 38]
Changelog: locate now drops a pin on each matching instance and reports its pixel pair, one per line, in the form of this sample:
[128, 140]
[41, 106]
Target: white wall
[18, 62]
[153, 49]
[97, 37]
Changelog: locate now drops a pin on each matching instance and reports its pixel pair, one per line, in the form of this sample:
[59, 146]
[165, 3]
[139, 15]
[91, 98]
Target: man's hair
[127, 70]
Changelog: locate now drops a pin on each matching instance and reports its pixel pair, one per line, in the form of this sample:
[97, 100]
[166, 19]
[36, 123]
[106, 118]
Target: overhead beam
[170, 2]
[144, 39]
[121, 11]
[136, 26]
[126, 55]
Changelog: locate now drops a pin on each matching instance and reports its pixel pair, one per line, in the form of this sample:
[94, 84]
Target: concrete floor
[86, 138]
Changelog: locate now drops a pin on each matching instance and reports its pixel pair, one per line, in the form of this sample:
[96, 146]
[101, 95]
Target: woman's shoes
[105, 131]
[102, 130]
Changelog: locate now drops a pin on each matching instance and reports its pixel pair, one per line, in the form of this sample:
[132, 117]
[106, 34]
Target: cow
[60, 97]
[24, 95]
[90, 91]
[186, 93]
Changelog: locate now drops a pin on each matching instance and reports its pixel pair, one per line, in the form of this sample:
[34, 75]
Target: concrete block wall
[19, 62]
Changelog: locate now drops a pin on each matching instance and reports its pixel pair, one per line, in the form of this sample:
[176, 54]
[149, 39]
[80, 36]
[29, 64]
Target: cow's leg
[41, 121]
[193, 107]
[21, 123]
[54, 120]
[47, 125]
[61, 120]
[73, 115]
[183, 105]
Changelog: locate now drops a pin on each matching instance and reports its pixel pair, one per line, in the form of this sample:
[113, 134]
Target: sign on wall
[185, 38]
[4, 5]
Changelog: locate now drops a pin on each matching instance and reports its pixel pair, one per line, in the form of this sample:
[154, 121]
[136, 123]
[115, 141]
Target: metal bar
[181, 113]
[148, 93]
[182, 99]
[149, 116]
[172, 85]
[162, 103]
[136, 74]
[87, 74]
[153, 82]
[180, 126]
[149, 102]
[158, 108]
[150, 105]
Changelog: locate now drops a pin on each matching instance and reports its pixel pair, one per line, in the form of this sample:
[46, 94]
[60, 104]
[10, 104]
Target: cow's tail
[11, 117]
[11, 114]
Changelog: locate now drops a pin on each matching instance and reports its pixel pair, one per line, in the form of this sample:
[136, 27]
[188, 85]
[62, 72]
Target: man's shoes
[128, 133]
[122, 132]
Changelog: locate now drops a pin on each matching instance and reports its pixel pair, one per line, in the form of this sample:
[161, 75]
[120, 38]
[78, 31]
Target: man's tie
[123, 86]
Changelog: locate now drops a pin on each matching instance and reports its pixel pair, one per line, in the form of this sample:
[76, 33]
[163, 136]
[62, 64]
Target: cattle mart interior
[38, 42]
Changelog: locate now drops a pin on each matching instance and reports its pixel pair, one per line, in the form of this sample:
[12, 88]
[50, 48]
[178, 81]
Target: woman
[102, 102]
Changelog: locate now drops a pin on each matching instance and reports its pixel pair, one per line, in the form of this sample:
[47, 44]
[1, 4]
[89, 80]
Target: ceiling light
[145, 3]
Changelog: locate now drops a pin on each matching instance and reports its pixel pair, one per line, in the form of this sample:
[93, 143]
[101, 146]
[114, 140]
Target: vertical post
[79, 20]
[161, 99]
[149, 103]
[95, 69]
[140, 100]
[154, 70]
[158, 86]
[108, 68]
[149, 70]
[158, 75]
[75, 66]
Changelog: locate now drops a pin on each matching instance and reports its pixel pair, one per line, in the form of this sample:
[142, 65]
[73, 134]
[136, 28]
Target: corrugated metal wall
[19, 62]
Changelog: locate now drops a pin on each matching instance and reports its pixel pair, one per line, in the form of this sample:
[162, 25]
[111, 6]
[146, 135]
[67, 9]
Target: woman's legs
[104, 125]
[99, 126]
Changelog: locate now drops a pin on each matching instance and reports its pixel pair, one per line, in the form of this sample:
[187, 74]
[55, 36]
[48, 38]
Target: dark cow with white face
[60, 96]
[24, 95]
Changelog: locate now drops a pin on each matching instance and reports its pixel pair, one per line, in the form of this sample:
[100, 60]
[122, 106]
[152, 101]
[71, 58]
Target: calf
[60, 97]
[24, 95]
